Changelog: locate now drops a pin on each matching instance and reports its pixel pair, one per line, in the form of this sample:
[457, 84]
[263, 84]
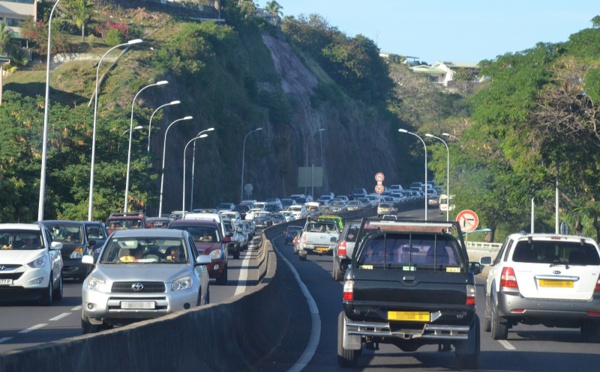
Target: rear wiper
[558, 263]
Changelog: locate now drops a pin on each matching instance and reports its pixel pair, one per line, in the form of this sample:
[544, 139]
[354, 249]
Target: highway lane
[528, 348]
[25, 324]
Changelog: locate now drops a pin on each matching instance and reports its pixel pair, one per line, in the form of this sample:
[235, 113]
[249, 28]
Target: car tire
[58, 292]
[47, 293]
[346, 358]
[87, 327]
[336, 273]
[207, 296]
[302, 256]
[236, 253]
[222, 279]
[470, 358]
[499, 327]
[487, 324]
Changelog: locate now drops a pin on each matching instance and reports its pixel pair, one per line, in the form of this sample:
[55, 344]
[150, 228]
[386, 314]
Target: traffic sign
[379, 177]
[467, 220]
[379, 189]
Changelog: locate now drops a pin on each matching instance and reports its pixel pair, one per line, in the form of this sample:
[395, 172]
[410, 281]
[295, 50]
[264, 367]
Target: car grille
[13, 276]
[147, 287]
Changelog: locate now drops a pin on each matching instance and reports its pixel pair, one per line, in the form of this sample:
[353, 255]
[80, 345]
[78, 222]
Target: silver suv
[344, 247]
[547, 279]
[143, 274]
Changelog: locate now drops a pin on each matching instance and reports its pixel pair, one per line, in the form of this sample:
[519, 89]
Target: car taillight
[342, 248]
[226, 239]
[348, 290]
[508, 278]
[470, 295]
[597, 287]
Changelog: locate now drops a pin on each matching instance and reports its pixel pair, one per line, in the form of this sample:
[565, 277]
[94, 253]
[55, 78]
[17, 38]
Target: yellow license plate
[556, 283]
[409, 316]
[322, 249]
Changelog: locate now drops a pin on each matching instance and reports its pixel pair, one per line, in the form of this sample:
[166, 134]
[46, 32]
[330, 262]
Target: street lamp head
[209, 129]
[175, 102]
[257, 129]
[402, 130]
[187, 118]
[202, 135]
[134, 41]
[429, 135]
[321, 129]
[162, 82]
[446, 134]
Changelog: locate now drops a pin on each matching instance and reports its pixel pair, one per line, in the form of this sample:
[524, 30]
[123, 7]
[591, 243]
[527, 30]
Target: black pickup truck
[410, 284]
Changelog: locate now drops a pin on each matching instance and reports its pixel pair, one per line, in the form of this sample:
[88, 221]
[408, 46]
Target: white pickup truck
[318, 237]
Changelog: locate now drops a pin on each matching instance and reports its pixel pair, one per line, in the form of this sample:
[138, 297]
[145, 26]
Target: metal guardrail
[483, 246]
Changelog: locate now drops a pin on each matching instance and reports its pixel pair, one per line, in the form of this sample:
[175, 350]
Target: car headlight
[39, 262]
[215, 255]
[77, 253]
[97, 284]
[181, 284]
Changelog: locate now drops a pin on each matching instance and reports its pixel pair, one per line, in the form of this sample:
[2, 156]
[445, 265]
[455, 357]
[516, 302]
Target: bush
[114, 37]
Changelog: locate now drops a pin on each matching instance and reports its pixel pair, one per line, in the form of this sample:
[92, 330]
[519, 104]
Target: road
[528, 348]
[24, 324]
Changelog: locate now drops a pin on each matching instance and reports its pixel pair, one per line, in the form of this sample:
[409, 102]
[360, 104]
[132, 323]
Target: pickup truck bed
[410, 284]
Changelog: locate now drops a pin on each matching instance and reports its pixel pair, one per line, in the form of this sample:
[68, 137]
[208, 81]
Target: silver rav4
[143, 274]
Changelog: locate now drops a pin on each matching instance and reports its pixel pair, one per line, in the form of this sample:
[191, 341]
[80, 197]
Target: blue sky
[457, 30]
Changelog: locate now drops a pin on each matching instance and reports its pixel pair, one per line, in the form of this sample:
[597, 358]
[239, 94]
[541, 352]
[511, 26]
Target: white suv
[30, 263]
[547, 279]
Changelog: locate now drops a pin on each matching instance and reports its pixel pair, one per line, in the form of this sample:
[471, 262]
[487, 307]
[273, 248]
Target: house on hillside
[273, 19]
[16, 11]
[443, 72]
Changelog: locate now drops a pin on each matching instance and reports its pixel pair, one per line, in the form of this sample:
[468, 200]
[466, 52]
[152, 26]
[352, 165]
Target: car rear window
[409, 251]
[556, 252]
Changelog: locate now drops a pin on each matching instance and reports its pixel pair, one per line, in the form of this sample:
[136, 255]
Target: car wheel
[87, 327]
[236, 253]
[487, 324]
[222, 279]
[46, 298]
[207, 300]
[499, 327]
[337, 275]
[58, 292]
[302, 256]
[468, 358]
[346, 358]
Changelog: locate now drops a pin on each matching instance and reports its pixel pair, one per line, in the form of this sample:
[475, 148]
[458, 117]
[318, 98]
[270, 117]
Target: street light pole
[306, 165]
[45, 135]
[91, 196]
[184, 151]
[150, 125]
[447, 173]
[162, 177]
[194, 165]
[162, 82]
[425, 147]
[243, 158]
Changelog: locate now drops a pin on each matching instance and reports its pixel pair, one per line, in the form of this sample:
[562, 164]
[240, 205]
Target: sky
[456, 30]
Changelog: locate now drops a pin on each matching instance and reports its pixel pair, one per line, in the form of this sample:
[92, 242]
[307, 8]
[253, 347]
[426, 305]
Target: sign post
[468, 220]
[379, 177]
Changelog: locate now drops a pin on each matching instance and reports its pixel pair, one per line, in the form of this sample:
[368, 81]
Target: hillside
[235, 78]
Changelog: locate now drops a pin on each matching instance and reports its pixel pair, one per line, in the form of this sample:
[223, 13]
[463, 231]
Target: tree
[6, 35]
[80, 12]
[596, 21]
[274, 8]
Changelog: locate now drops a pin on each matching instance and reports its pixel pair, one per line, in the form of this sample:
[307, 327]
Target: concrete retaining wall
[230, 336]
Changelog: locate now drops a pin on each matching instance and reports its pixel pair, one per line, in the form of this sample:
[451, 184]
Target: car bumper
[513, 305]
[108, 306]
[23, 281]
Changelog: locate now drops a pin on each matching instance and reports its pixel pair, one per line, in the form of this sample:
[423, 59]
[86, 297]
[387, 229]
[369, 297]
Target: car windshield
[95, 232]
[125, 223]
[24, 240]
[205, 234]
[409, 251]
[144, 250]
[66, 232]
[556, 253]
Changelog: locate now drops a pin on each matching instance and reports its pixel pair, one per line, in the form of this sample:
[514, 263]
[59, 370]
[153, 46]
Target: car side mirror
[87, 260]
[475, 267]
[485, 260]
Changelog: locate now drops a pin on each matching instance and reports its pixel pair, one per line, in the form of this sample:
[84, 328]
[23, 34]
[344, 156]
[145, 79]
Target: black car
[79, 238]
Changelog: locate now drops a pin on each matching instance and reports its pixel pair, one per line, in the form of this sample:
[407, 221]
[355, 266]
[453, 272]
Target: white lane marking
[76, 308]
[37, 326]
[58, 317]
[243, 275]
[4, 339]
[315, 331]
[507, 345]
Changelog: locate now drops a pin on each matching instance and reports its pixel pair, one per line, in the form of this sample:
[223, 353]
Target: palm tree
[80, 12]
[273, 7]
